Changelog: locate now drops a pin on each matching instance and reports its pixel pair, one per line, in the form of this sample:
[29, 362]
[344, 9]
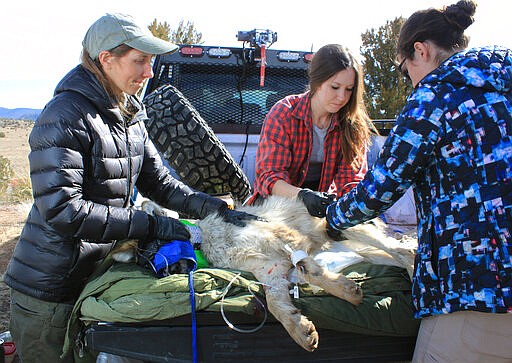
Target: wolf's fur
[259, 248]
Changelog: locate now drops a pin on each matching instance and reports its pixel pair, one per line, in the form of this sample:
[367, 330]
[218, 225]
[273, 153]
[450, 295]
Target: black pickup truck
[206, 105]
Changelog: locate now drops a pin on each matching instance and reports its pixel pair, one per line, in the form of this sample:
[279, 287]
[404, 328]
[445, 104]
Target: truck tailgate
[171, 342]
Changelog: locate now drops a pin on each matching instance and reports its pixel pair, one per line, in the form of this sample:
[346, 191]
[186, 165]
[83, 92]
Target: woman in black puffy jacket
[89, 149]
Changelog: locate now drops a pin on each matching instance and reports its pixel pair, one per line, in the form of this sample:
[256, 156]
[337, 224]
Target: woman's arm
[59, 165]
[273, 156]
[405, 155]
[284, 189]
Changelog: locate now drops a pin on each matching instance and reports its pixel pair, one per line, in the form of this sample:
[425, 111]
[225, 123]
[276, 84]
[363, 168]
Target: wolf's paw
[348, 290]
[305, 334]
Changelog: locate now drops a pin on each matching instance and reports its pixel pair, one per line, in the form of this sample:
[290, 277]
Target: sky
[42, 40]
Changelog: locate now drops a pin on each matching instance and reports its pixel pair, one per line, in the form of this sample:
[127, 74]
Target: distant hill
[20, 113]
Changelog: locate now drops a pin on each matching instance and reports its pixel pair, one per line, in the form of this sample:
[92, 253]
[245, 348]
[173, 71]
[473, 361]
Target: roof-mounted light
[191, 51]
[308, 57]
[288, 56]
[219, 53]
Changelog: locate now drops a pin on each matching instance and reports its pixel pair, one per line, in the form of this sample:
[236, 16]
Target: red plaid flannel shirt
[285, 147]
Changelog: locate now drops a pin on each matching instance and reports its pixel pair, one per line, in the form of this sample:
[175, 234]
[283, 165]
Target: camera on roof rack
[257, 37]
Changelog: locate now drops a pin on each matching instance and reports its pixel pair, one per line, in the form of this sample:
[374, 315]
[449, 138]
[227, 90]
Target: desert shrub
[20, 190]
[6, 173]
[2, 134]
[13, 189]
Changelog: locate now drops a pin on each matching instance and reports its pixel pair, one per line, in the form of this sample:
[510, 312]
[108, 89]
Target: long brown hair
[95, 67]
[355, 123]
[444, 27]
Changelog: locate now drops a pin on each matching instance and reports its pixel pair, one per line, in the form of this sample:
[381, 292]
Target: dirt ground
[13, 146]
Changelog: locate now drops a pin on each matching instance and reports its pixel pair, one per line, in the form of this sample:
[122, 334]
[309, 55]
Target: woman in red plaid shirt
[313, 145]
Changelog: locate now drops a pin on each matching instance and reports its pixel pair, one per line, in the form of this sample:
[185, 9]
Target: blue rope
[193, 312]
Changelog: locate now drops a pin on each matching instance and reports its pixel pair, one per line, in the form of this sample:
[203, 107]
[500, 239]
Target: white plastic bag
[337, 258]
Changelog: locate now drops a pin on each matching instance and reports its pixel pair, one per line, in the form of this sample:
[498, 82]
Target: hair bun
[460, 15]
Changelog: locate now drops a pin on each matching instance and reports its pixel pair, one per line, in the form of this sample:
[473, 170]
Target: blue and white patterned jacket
[453, 143]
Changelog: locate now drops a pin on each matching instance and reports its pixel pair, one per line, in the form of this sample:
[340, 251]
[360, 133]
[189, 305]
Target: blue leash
[193, 312]
[171, 253]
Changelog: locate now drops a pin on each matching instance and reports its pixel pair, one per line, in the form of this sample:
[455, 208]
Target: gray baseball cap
[112, 30]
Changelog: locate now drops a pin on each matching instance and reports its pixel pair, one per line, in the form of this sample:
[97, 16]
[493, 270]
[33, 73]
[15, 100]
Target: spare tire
[190, 146]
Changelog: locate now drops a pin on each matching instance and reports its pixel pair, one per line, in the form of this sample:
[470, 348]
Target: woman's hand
[316, 202]
[237, 218]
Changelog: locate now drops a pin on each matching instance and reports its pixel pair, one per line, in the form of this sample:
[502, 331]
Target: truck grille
[232, 94]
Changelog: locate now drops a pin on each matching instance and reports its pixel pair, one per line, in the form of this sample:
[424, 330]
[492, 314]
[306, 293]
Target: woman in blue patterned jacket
[453, 143]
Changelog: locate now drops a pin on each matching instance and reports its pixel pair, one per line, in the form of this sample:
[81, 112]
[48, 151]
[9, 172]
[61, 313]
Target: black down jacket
[84, 162]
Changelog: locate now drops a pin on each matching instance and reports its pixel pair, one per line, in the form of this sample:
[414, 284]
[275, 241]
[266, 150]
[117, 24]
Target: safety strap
[263, 64]
[193, 314]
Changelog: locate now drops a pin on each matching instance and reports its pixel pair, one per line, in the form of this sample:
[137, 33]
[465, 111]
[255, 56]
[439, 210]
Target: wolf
[287, 237]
